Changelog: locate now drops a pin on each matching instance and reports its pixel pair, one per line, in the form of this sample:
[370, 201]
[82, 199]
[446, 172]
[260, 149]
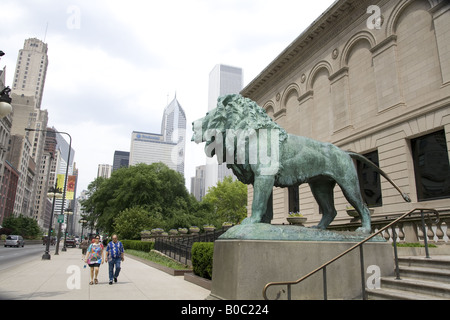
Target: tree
[154, 188]
[24, 226]
[131, 222]
[228, 200]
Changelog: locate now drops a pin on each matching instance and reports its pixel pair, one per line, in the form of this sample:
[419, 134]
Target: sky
[115, 65]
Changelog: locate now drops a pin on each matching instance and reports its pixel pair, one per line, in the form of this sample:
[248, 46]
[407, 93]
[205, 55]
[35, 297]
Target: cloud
[114, 65]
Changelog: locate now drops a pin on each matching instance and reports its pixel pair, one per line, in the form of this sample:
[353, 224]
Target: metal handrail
[323, 267]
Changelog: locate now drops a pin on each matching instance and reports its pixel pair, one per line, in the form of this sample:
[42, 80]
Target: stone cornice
[341, 14]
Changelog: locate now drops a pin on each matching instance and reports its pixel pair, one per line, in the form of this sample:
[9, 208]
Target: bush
[202, 259]
[138, 245]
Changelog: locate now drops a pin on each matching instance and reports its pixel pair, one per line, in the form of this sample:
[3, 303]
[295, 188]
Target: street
[10, 257]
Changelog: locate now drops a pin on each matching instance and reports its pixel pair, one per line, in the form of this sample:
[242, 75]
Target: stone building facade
[371, 77]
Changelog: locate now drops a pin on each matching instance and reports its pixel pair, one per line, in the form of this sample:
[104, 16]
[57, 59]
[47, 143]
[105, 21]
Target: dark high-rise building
[121, 159]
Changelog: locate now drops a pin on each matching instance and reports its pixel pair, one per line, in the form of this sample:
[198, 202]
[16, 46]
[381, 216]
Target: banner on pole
[60, 182]
[71, 183]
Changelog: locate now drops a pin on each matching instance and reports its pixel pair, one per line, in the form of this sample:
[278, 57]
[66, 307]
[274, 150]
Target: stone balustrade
[410, 229]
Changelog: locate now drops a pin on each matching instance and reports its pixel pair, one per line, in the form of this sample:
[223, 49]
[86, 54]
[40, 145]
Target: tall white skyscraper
[173, 129]
[27, 93]
[223, 80]
[167, 147]
[31, 70]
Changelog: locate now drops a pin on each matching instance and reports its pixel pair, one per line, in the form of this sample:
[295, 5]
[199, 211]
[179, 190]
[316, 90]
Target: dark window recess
[431, 166]
[369, 181]
[294, 203]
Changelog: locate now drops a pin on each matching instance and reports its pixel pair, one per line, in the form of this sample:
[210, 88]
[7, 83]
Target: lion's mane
[244, 116]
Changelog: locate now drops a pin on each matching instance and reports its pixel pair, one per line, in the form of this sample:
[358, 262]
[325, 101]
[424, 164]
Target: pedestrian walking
[84, 245]
[114, 256]
[94, 258]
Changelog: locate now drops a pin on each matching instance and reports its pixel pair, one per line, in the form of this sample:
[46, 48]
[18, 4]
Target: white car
[14, 241]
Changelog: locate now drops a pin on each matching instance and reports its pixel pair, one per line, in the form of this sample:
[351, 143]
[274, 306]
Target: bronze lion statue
[261, 153]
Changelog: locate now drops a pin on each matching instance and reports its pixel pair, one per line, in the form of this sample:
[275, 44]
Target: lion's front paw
[249, 220]
[363, 230]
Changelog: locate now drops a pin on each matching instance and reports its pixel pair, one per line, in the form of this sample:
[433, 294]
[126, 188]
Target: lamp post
[5, 102]
[65, 178]
[68, 212]
[5, 99]
[54, 193]
[82, 221]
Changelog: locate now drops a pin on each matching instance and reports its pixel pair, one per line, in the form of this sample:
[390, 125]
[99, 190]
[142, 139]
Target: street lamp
[5, 102]
[82, 221]
[65, 178]
[5, 99]
[68, 212]
[54, 193]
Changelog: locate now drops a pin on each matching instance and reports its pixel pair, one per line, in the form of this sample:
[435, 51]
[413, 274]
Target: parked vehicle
[52, 240]
[71, 243]
[14, 241]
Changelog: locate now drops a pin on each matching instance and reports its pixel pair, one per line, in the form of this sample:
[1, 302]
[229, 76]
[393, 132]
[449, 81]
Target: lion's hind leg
[353, 195]
[322, 190]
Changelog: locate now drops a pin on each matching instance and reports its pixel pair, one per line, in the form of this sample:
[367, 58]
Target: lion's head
[233, 133]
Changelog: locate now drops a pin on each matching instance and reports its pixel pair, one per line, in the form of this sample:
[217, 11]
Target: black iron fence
[179, 247]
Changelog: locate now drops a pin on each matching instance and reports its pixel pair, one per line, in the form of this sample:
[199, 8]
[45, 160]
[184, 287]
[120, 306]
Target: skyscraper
[31, 70]
[121, 159]
[27, 93]
[167, 147]
[223, 80]
[173, 129]
[104, 170]
[149, 148]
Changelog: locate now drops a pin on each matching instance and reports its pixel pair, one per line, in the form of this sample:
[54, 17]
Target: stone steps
[421, 279]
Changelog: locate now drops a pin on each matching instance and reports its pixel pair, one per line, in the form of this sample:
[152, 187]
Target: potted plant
[157, 231]
[194, 229]
[296, 218]
[209, 227]
[183, 230]
[145, 234]
[227, 224]
[173, 232]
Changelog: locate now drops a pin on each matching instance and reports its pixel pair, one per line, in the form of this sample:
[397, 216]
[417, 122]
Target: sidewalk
[57, 280]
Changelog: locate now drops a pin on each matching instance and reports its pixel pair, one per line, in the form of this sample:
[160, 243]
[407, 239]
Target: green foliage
[414, 245]
[202, 259]
[154, 188]
[159, 259]
[228, 200]
[28, 228]
[138, 245]
[144, 197]
[130, 222]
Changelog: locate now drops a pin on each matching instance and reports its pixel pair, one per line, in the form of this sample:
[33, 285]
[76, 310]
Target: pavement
[65, 278]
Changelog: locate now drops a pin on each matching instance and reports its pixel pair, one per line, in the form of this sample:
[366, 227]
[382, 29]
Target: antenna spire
[45, 35]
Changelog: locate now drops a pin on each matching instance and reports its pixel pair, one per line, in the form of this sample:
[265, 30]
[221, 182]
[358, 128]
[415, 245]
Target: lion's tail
[361, 158]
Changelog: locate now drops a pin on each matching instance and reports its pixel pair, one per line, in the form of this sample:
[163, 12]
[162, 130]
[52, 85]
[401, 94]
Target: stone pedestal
[242, 268]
